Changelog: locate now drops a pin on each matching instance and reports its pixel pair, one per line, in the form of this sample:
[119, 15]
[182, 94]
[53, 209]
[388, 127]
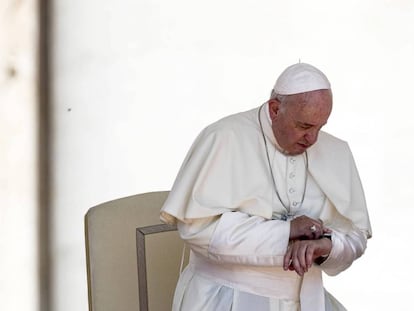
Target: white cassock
[226, 209]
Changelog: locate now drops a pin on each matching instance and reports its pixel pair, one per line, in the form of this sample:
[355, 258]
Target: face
[296, 121]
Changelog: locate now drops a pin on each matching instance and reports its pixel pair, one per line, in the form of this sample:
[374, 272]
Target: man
[266, 201]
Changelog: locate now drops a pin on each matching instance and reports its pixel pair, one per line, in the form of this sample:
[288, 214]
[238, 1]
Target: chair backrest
[133, 260]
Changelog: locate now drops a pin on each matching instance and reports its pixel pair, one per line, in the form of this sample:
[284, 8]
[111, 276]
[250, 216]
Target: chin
[297, 150]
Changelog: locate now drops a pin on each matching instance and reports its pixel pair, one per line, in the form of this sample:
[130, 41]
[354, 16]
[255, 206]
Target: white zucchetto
[301, 78]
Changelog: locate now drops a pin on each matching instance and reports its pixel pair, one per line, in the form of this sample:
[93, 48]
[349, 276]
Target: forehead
[311, 107]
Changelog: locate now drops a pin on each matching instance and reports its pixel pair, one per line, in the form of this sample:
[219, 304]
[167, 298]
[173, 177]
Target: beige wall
[18, 155]
[137, 80]
[134, 83]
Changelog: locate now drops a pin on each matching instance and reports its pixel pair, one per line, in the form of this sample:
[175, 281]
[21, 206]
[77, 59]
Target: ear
[273, 108]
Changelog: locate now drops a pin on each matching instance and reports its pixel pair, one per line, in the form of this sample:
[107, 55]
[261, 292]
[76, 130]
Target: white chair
[133, 260]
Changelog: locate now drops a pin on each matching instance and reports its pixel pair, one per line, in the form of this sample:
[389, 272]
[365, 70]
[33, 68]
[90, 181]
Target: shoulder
[327, 140]
[234, 124]
[330, 148]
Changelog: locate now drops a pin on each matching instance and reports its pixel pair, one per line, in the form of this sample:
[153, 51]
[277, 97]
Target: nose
[312, 136]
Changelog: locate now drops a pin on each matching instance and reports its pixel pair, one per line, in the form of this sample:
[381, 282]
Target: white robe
[223, 201]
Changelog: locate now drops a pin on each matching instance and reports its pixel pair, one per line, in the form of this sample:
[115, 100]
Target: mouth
[304, 146]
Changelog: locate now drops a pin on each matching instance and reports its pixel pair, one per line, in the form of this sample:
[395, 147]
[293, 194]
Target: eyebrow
[308, 124]
[304, 123]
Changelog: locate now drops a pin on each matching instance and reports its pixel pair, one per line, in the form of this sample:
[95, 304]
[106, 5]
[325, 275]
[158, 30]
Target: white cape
[226, 170]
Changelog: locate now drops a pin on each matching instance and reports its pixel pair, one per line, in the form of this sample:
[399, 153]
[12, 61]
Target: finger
[295, 259]
[320, 230]
[327, 230]
[309, 256]
[309, 228]
[319, 225]
[315, 231]
[318, 233]
[287, 260]
[301, 255]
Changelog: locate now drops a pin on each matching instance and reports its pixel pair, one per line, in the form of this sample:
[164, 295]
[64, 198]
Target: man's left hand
[302, 253]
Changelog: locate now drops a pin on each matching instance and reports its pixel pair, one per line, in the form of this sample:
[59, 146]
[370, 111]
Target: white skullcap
[301, 78]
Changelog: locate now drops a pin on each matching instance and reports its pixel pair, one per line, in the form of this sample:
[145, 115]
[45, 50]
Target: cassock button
[292, 160]
[294, 203]
[291, 190]
[291, 175]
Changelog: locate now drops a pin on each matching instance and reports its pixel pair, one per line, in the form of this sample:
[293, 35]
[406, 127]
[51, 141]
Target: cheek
[295, 136]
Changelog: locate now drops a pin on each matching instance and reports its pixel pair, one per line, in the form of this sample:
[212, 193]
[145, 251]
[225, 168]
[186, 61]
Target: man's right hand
[306, 228]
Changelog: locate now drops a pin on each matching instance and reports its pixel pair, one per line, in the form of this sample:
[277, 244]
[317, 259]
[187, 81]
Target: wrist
[325, 249]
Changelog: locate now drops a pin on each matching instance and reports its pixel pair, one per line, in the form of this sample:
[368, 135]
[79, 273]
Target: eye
[304, 126]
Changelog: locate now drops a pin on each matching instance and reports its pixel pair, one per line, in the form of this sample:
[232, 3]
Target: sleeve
[238, 238]
[346, 247]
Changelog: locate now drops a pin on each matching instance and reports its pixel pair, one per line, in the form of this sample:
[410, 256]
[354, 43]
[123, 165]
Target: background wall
[18, 155]
[135, 81]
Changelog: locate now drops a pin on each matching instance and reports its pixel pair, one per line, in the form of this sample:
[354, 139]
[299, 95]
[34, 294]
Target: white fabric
[224, 200]
[301, 78]
[256, 280]
[241, 244]
[226, 170]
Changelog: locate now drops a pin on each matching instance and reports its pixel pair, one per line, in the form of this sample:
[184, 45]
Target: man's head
[300, 105]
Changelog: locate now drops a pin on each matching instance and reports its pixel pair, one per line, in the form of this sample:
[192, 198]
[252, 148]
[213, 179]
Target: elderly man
[267, 201]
